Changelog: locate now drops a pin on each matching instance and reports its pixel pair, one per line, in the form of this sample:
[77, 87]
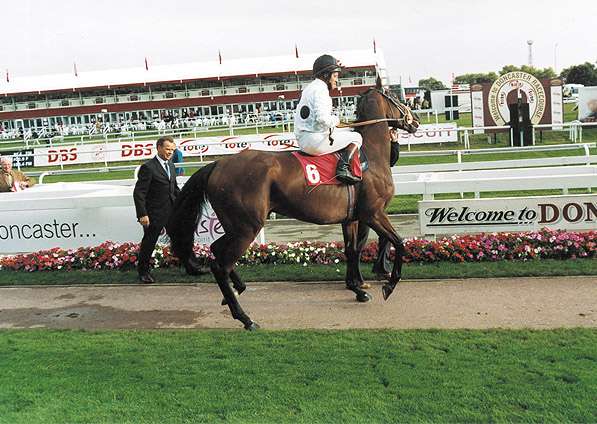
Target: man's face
[334, 79]
[6, 166]
[166, 150]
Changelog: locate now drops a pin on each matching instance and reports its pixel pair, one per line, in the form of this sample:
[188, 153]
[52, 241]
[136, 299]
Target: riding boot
[343, 172]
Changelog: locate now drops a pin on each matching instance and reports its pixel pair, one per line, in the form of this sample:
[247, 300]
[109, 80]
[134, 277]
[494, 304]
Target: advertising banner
[587, 104]
[210, 146]
[430, 133]
[135, 150]
[20, 158]
[512, 214]
[67, 215]
[73, 215]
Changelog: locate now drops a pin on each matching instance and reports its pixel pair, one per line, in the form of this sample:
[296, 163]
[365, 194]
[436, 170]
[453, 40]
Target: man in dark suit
[155, 192]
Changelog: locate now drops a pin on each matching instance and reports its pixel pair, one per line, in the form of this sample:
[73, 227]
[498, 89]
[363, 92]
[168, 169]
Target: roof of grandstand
[184, 72]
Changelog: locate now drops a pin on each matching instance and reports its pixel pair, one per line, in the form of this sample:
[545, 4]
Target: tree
[432, 84]
[475, 78]
[537, 73]
[585, 74]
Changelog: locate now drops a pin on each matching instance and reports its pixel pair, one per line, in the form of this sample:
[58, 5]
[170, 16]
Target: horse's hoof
[252, 327]
[364, 297]
[386, 291]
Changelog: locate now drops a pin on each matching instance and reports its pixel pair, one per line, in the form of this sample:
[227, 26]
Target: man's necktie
[167, 169]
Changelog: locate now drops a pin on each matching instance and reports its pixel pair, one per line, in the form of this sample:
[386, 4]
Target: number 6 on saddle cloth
[322, 169]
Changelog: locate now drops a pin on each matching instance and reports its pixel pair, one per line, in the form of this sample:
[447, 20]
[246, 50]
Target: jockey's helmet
[326, 64]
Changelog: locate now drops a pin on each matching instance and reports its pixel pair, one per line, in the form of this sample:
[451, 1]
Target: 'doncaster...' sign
[511, 214]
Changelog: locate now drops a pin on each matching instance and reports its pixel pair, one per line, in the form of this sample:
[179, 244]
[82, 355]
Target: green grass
[350, 376]
[267, 273]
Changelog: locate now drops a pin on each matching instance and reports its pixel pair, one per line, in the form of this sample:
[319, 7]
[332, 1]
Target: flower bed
[543, 244]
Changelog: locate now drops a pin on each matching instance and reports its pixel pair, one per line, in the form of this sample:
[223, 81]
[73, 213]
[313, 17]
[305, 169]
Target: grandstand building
[241, 87]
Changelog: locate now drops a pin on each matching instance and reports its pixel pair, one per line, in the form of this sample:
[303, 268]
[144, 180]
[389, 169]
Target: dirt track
[473, 303]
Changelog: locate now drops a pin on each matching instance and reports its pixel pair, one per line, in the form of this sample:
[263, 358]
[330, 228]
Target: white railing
[430, 184]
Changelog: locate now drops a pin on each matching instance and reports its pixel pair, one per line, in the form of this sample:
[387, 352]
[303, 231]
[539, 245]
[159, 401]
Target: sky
[419, 38]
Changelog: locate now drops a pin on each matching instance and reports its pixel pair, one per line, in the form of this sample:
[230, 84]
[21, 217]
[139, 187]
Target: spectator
[177, 158]
[154, 194]
[12, 180]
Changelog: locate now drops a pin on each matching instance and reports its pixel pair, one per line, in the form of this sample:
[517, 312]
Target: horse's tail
[186, 213]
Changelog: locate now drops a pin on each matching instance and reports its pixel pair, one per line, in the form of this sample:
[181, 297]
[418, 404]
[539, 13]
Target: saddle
[322, 169]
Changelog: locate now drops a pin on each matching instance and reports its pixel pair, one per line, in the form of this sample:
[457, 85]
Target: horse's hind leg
[237, 281]
[218, 248]
[228, 253]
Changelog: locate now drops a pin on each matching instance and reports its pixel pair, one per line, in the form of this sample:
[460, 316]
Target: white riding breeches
[318, 143]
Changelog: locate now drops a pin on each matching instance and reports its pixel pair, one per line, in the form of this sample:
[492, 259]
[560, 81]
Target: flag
[453, 78]
[220, 56]
[409, 80]
[374, 46]
[146, 65]
[296, 51]
[7, 79]
[76, 74]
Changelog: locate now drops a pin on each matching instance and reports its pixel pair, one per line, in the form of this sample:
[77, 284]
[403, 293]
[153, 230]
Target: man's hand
[144, 221]
[393, 135]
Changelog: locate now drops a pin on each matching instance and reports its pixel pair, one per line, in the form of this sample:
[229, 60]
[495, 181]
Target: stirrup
[348, 178]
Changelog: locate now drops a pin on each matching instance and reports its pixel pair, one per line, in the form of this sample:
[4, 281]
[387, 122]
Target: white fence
[558, 177]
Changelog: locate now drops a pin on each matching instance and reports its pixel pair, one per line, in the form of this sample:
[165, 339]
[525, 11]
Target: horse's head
[379, 104]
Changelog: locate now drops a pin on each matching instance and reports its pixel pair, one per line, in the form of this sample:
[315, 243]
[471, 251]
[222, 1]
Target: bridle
[407, 115]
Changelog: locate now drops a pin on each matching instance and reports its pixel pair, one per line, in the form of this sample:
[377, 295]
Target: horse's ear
[378, 83]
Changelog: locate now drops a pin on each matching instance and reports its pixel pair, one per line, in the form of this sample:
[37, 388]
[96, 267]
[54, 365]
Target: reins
[407, 116]
[370, 122]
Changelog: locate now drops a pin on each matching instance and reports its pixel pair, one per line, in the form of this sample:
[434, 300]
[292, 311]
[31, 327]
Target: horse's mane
[361, 115]
[360, 112]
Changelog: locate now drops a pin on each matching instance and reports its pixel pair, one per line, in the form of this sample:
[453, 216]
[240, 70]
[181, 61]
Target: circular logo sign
[511, 86]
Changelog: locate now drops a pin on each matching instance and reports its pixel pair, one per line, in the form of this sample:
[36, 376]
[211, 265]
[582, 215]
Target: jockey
[314, 124]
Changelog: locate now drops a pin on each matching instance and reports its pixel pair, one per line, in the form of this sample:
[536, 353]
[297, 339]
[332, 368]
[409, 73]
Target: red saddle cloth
[322, 169]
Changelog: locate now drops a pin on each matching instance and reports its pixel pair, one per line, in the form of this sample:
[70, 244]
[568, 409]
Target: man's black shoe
[193, 268]
[146, 279]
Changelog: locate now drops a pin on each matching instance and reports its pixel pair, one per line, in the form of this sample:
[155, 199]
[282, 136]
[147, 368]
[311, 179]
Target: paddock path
[472, 303]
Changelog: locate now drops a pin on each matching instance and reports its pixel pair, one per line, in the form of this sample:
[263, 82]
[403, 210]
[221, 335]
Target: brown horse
[244, 188]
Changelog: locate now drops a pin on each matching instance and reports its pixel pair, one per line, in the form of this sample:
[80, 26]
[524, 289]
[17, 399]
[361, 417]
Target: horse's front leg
[355, 237]
[388, 287]
[383, 227]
